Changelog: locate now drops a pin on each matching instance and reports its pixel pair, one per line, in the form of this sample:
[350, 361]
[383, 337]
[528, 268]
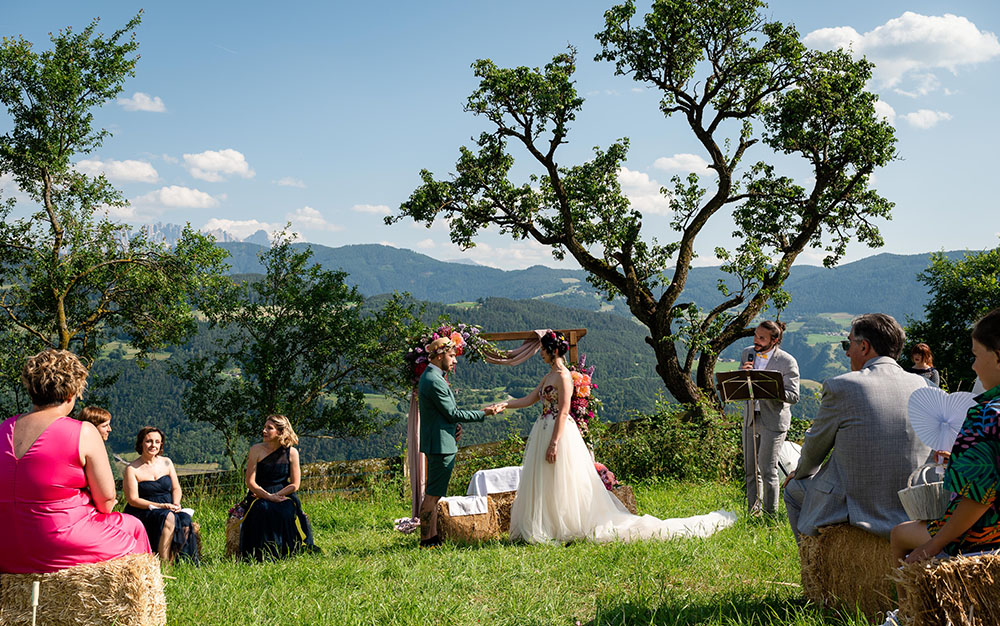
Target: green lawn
[817, 338]
[369, 574]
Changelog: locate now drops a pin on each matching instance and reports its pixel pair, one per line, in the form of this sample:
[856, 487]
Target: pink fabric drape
[414, 457]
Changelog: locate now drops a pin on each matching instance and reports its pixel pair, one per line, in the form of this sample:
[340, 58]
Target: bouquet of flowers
[465, 337]
[584, 404]
[610, 482]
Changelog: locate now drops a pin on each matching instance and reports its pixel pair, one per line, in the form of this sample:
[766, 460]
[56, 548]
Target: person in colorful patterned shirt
[972, 521]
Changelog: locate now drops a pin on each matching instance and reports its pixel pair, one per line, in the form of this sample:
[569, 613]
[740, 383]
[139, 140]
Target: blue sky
[248, 115]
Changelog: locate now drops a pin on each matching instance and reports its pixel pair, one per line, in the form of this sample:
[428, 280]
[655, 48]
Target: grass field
[369, 574]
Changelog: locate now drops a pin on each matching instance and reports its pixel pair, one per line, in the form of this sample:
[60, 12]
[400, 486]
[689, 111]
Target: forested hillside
[625, 377]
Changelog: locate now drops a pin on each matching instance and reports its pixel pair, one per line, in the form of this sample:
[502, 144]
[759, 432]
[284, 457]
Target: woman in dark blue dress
[274, 525]
[153, 494]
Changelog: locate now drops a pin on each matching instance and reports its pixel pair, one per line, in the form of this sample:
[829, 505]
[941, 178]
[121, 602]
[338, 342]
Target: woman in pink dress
[56, 486]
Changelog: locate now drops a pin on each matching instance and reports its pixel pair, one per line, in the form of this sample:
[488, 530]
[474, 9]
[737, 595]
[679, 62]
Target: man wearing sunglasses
[862, 425]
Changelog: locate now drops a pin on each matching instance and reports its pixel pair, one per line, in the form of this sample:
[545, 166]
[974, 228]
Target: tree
[736, 80]
[69, 274]
[961, 291]
[298, 342]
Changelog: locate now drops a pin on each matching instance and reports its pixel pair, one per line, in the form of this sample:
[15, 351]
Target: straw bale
[468, 528]
[627, 497]
[232, 536]
[847, 568]
[962, 590]
[503, 501]
[127, 591]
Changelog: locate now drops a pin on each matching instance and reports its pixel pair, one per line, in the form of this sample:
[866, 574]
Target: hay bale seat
[847, 568]
[964, 590]
[503, 501]
[233, 536]
[127, 591]
[468, 528]
[626, 496]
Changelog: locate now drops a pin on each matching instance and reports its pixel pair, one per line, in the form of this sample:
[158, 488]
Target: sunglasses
[845, 344]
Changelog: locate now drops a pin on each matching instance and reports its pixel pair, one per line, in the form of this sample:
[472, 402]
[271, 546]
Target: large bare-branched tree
[734, 80]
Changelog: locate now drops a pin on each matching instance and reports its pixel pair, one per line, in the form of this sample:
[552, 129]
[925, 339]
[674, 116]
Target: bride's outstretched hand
[550, 454]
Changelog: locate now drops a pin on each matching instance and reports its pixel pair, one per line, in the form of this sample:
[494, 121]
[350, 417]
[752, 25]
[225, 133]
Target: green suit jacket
[438, 414]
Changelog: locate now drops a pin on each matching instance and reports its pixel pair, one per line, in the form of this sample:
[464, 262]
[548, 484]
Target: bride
[561, 497]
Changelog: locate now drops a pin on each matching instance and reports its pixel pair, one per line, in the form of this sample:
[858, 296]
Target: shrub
[682, 442]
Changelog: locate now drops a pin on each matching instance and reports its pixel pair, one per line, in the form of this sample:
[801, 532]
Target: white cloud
[120, 213]
[426, 244]
[214, 165]
[240, 229]
[643, 192]
[308, 217]
[175, 196]
[377, 209]
[925, 118]
[143, 102]
[288, 181]
[883, 109]
[911, 45]
[127, 170]
[518, 255]
[682, 162]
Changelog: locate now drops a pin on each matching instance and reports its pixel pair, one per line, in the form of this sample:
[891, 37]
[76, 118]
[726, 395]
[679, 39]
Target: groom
[439, 419]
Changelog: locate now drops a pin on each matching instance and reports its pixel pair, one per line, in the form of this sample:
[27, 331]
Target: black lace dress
[185, 543]
[272, 530]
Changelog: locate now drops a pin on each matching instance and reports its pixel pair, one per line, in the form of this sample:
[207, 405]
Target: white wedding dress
[567, 500]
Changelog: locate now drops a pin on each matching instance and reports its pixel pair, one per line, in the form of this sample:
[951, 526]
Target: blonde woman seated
[56, 486]
[153, 494]
[274, 525]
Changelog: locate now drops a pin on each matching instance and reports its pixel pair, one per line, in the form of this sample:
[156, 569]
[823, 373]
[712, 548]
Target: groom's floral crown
[441, 345]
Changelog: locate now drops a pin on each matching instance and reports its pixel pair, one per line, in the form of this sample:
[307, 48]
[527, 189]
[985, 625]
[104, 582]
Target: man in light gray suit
[863, 419]
[766, 422]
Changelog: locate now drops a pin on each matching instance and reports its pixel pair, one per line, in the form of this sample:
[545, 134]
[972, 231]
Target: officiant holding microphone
[766, 421]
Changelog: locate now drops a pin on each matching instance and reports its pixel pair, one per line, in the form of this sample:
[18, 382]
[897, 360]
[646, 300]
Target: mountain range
[884, 282]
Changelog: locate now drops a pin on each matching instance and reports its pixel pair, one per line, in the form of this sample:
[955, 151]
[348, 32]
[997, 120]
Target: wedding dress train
[567, 500]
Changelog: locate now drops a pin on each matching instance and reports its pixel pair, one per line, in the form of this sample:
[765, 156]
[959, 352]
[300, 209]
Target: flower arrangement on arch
[466, 338]
[583, 406]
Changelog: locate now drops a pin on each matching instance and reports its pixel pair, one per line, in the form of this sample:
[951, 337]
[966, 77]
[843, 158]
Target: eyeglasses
[845, 344]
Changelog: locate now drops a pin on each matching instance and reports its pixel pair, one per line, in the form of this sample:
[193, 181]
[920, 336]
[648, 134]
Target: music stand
[750, 385]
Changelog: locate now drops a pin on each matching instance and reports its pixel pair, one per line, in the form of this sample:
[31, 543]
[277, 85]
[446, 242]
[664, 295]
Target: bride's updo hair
[555, 343]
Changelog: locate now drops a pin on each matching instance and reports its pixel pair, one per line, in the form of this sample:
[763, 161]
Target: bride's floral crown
[555, 342]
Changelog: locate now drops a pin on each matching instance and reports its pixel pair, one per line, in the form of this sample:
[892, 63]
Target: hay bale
[468, 528]
[503, 501]
[847, 568]
[127, 591]
[233, 536]
[625, 494]
[962, 590]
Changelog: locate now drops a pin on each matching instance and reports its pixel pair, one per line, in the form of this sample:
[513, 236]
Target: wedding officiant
[766, 422]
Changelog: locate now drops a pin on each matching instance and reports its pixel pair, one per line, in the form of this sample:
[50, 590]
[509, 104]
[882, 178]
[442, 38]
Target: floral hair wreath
[559, 341]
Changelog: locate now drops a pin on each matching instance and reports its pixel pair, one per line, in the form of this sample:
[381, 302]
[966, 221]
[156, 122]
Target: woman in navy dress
[274, 525]
[153, 494]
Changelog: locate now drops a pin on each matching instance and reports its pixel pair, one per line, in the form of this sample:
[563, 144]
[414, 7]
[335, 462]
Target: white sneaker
[890, 618]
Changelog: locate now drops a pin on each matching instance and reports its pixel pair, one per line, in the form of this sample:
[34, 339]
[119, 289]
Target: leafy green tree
[735, 80]
[961, 291]
[69, 275]
[298, 342]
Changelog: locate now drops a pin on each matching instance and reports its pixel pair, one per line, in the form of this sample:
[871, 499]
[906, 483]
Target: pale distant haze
[246, 116]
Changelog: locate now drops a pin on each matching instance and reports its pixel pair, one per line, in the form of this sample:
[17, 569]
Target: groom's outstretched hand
[493, 409]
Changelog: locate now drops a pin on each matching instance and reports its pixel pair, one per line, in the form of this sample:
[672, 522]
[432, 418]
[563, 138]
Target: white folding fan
[937, 416]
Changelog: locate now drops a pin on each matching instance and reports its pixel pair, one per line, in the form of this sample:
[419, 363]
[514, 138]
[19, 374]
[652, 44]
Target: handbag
[927, 500]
